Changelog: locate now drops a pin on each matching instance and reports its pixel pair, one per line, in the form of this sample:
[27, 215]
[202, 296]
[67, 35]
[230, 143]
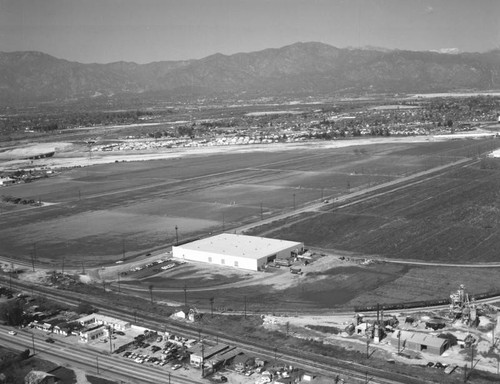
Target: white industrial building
[240, 251]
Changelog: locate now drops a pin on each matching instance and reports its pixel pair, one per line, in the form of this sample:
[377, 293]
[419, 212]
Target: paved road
[66, 350]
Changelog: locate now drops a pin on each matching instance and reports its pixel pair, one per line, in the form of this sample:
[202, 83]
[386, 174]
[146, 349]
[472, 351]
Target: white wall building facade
[239, 251]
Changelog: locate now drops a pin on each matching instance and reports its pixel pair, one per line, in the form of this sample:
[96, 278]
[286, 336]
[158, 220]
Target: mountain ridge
[310, 67]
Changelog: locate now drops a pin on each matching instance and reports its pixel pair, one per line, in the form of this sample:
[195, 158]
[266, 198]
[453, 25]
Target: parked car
[176, 366]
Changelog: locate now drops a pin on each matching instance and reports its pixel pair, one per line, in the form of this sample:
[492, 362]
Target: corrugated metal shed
[419, 341]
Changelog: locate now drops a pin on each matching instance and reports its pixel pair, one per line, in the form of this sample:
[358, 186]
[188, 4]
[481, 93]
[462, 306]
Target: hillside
[301, 68]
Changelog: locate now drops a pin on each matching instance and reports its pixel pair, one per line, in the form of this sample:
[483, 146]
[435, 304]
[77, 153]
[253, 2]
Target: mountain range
[297, 69]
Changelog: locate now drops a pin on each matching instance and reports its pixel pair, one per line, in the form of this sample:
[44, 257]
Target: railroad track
[326, 366]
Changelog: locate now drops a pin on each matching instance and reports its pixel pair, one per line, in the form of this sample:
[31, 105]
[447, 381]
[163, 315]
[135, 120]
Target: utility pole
[185, 295]
[33, 261]
[34, 251]
[119, 290]
[399, 342]
[110, 333]
[97, 363]
[212, 306]
[33, 340]
[202, 358]
[151, 292]
[176, 235]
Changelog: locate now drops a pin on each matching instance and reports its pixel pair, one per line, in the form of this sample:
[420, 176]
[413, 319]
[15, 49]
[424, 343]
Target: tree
[84, 307]
[11, 312]
[24, 355]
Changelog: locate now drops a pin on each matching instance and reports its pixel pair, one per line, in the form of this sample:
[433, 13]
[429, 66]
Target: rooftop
[420, 338]
[94, 317]
[240, 245]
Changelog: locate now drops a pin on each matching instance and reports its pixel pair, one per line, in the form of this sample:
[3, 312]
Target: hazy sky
[143, 31]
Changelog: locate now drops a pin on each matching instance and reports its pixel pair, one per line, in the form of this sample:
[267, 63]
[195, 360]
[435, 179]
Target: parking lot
[169, 352]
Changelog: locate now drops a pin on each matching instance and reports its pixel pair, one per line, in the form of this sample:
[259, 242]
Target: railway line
[324, 365]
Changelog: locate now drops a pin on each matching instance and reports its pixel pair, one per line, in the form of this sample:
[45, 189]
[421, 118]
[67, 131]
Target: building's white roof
[95, 317]
[251, 247]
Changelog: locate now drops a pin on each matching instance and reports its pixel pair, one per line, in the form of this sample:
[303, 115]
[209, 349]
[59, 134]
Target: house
[419, 342]
[97, 319]
[6, 181]
[93, 332]
[40, 377]
[62, 329]
[243, 362]
[307, 376]
[188, 314]
[203, 352]
[260, 362]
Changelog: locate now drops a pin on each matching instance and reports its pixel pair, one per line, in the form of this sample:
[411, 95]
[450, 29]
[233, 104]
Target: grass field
[100, 213]
[451, 218]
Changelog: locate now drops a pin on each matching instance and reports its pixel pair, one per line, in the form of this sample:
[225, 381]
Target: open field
[452, 218]
[104, 212]
[327, 283]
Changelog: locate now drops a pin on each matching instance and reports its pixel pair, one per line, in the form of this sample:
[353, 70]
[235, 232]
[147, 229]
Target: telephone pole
[185, 295]
[33, 340]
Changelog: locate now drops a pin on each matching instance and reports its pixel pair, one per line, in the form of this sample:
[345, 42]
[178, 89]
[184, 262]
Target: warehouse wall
[215, 258]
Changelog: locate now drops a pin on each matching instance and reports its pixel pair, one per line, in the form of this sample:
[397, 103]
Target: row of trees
[13, 312]
[19, 200]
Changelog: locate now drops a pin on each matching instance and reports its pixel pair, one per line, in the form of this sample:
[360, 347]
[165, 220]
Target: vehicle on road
[13, 333]
[176, 366]
[50, 340]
